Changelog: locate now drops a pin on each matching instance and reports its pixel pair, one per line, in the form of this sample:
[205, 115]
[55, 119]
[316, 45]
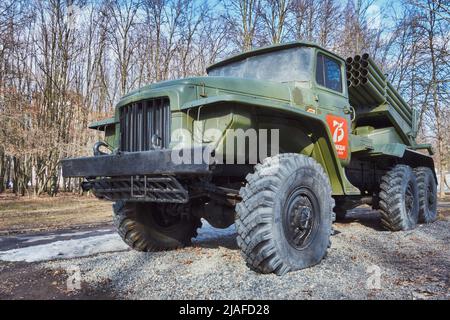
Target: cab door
[331, 88]
[331, 83]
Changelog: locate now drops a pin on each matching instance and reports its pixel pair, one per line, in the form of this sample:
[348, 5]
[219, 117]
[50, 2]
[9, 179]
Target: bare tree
[123, 16]
[274, 14]
[436, 30]
[244, 17]
[56, 76]
[306, 14]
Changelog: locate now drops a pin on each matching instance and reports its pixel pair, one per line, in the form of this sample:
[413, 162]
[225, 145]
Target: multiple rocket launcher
[368, 87]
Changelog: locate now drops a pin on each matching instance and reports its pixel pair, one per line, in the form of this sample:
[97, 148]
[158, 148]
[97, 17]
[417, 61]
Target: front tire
[284, 219]
[151, 227]
[399, 199]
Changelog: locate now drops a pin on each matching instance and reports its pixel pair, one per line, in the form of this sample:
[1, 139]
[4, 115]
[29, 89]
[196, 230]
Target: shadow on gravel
[372, 219]
[228, 241]
[366, 217]
[19, 280]
[410, 259]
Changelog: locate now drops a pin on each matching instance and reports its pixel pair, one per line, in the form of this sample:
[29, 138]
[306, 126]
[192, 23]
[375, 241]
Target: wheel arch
[314, 127]
[416, 159]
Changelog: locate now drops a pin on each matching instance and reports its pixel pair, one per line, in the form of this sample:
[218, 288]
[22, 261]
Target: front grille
[145, 125]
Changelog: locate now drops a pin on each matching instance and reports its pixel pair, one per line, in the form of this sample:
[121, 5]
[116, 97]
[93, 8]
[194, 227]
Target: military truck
[343, 134]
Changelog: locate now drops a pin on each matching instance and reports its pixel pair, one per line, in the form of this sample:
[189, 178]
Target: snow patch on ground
[37, 238]
[89, 245]
[208, 232]
[32, 239]
[66, 249]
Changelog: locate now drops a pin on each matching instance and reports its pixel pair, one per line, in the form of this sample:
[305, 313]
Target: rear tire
[399, 199]
[427, 194]
[284, 219]
[150, 227]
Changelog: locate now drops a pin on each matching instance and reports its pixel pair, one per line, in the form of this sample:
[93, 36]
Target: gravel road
[411, 265]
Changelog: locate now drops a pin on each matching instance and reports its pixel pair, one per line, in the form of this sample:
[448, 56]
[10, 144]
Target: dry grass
[24, 214]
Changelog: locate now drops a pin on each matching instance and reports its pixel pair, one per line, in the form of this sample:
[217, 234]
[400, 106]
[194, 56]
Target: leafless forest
[66, 63]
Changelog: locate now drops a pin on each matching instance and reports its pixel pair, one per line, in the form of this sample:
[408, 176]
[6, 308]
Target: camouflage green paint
[298, 109]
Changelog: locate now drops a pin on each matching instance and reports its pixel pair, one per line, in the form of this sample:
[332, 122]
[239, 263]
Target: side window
[328, 73]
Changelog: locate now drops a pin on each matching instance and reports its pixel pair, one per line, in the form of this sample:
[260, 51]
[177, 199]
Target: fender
[416, 159]
[401, 153]
[324, 150]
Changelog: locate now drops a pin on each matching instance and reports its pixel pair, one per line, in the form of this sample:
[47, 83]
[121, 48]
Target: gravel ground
[413, 265]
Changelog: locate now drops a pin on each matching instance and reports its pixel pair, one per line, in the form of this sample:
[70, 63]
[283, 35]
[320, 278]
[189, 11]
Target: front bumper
[155, 162]
[150, 176]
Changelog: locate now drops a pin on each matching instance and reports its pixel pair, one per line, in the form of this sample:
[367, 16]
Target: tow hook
[97, 147]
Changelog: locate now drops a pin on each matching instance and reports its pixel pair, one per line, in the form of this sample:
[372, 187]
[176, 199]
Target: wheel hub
[300, 218]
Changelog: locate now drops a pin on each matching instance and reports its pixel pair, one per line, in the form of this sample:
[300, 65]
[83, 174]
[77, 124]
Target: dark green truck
[279, 141]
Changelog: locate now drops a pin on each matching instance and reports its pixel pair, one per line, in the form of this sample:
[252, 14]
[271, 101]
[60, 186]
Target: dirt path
[21, 280]
[29, 215]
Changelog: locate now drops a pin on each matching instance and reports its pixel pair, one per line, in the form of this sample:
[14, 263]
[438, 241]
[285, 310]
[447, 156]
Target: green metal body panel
[107, 125]
[102, 124]
[297, 108]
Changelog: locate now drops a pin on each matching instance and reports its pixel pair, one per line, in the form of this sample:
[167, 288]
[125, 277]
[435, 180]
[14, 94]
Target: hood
[187, 88]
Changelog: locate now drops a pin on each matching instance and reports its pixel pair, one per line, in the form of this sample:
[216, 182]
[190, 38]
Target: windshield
[281, 66]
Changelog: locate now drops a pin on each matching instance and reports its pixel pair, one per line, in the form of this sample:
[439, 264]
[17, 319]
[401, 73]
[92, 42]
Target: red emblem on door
[339, 132]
